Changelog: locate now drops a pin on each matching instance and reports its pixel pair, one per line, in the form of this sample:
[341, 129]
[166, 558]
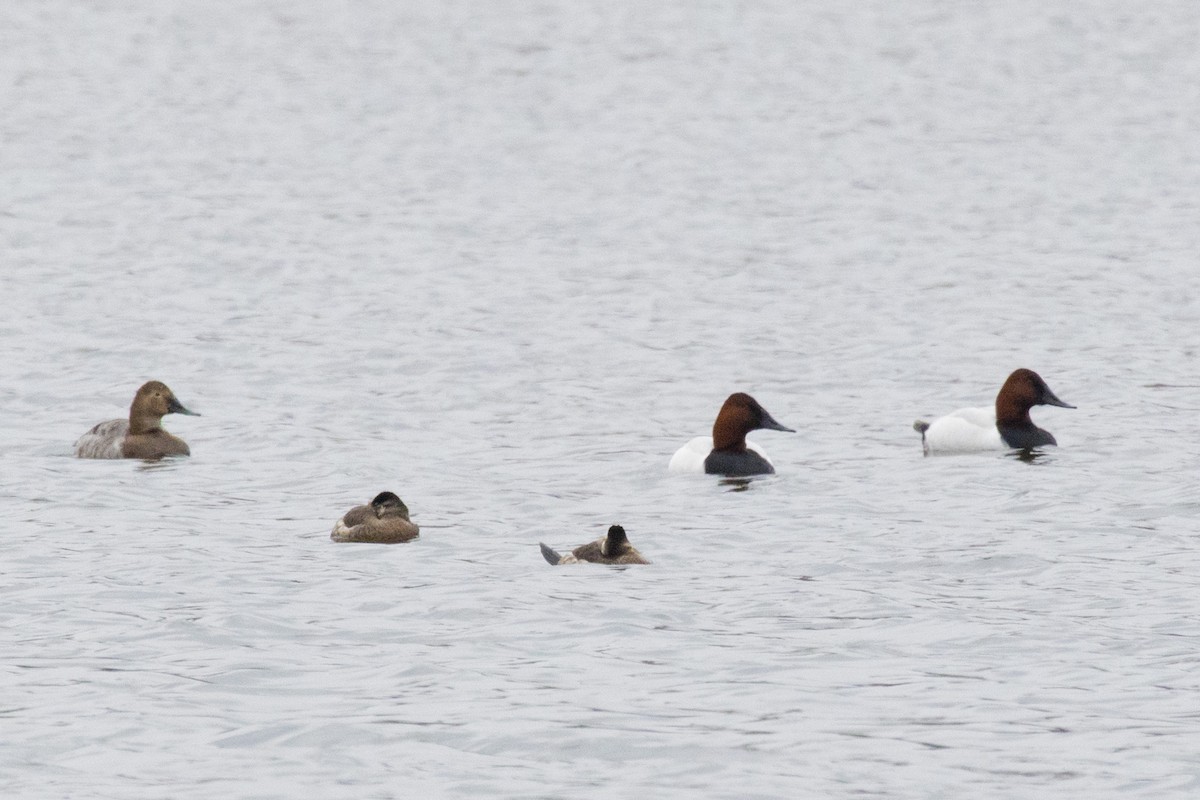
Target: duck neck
[1012, 414]
[144, 423]
[728, 438]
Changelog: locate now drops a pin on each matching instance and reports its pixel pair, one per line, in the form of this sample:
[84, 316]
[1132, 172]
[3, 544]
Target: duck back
[104, 440]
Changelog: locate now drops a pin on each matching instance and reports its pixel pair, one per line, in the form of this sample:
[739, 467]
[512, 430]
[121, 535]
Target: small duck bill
[176, 407]
[1051, 399]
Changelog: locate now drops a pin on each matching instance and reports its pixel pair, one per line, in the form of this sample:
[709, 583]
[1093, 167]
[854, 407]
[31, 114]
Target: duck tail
[549, 554]
[920, 426]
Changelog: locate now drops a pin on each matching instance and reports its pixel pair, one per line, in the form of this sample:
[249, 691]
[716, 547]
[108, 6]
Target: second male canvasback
[727, 452]
[384, 521]
[1004, 425]
[612, 548]
[141, 435]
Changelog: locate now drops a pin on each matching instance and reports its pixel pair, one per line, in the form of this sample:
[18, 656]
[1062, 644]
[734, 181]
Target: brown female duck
[612, 548]
[142, 435]
[384, 521]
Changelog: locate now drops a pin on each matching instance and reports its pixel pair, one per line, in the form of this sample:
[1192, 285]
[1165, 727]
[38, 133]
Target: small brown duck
[142, 435]
[384, 521]
[612, 548]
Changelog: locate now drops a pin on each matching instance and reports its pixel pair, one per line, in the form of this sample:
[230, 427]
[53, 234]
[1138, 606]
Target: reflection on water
[1029, 455]
[489, 256]
[152, 464]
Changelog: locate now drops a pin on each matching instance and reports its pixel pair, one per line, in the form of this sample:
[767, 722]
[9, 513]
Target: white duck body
[966, 430]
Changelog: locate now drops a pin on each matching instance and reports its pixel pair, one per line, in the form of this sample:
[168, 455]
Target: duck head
[616, 542]
[153, 401]
[388, 504]
[741, 414]
[1023, 390]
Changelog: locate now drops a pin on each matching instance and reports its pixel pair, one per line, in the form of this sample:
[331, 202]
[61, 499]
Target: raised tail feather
[920, 426]
[549, 554]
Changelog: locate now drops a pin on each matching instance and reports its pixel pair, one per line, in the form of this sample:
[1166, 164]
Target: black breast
[1025, 436]
[737, 465]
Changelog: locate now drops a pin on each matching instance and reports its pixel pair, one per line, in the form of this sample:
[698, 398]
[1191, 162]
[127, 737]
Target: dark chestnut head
[1023, 390]
[741, 414]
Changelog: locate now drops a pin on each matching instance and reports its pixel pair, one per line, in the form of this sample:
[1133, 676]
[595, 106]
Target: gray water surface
[503, 259]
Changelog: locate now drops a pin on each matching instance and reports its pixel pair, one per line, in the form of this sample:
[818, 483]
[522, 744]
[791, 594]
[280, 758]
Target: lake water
[503, 259]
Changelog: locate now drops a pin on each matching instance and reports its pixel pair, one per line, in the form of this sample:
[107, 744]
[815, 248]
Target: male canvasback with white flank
[727, 452]
[612, 548]
[1005, 425]
[141, 435]
[384, 521]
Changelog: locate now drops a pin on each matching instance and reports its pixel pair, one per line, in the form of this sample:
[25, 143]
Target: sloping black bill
[1051, 399]
[176, 407]
[770, 424]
